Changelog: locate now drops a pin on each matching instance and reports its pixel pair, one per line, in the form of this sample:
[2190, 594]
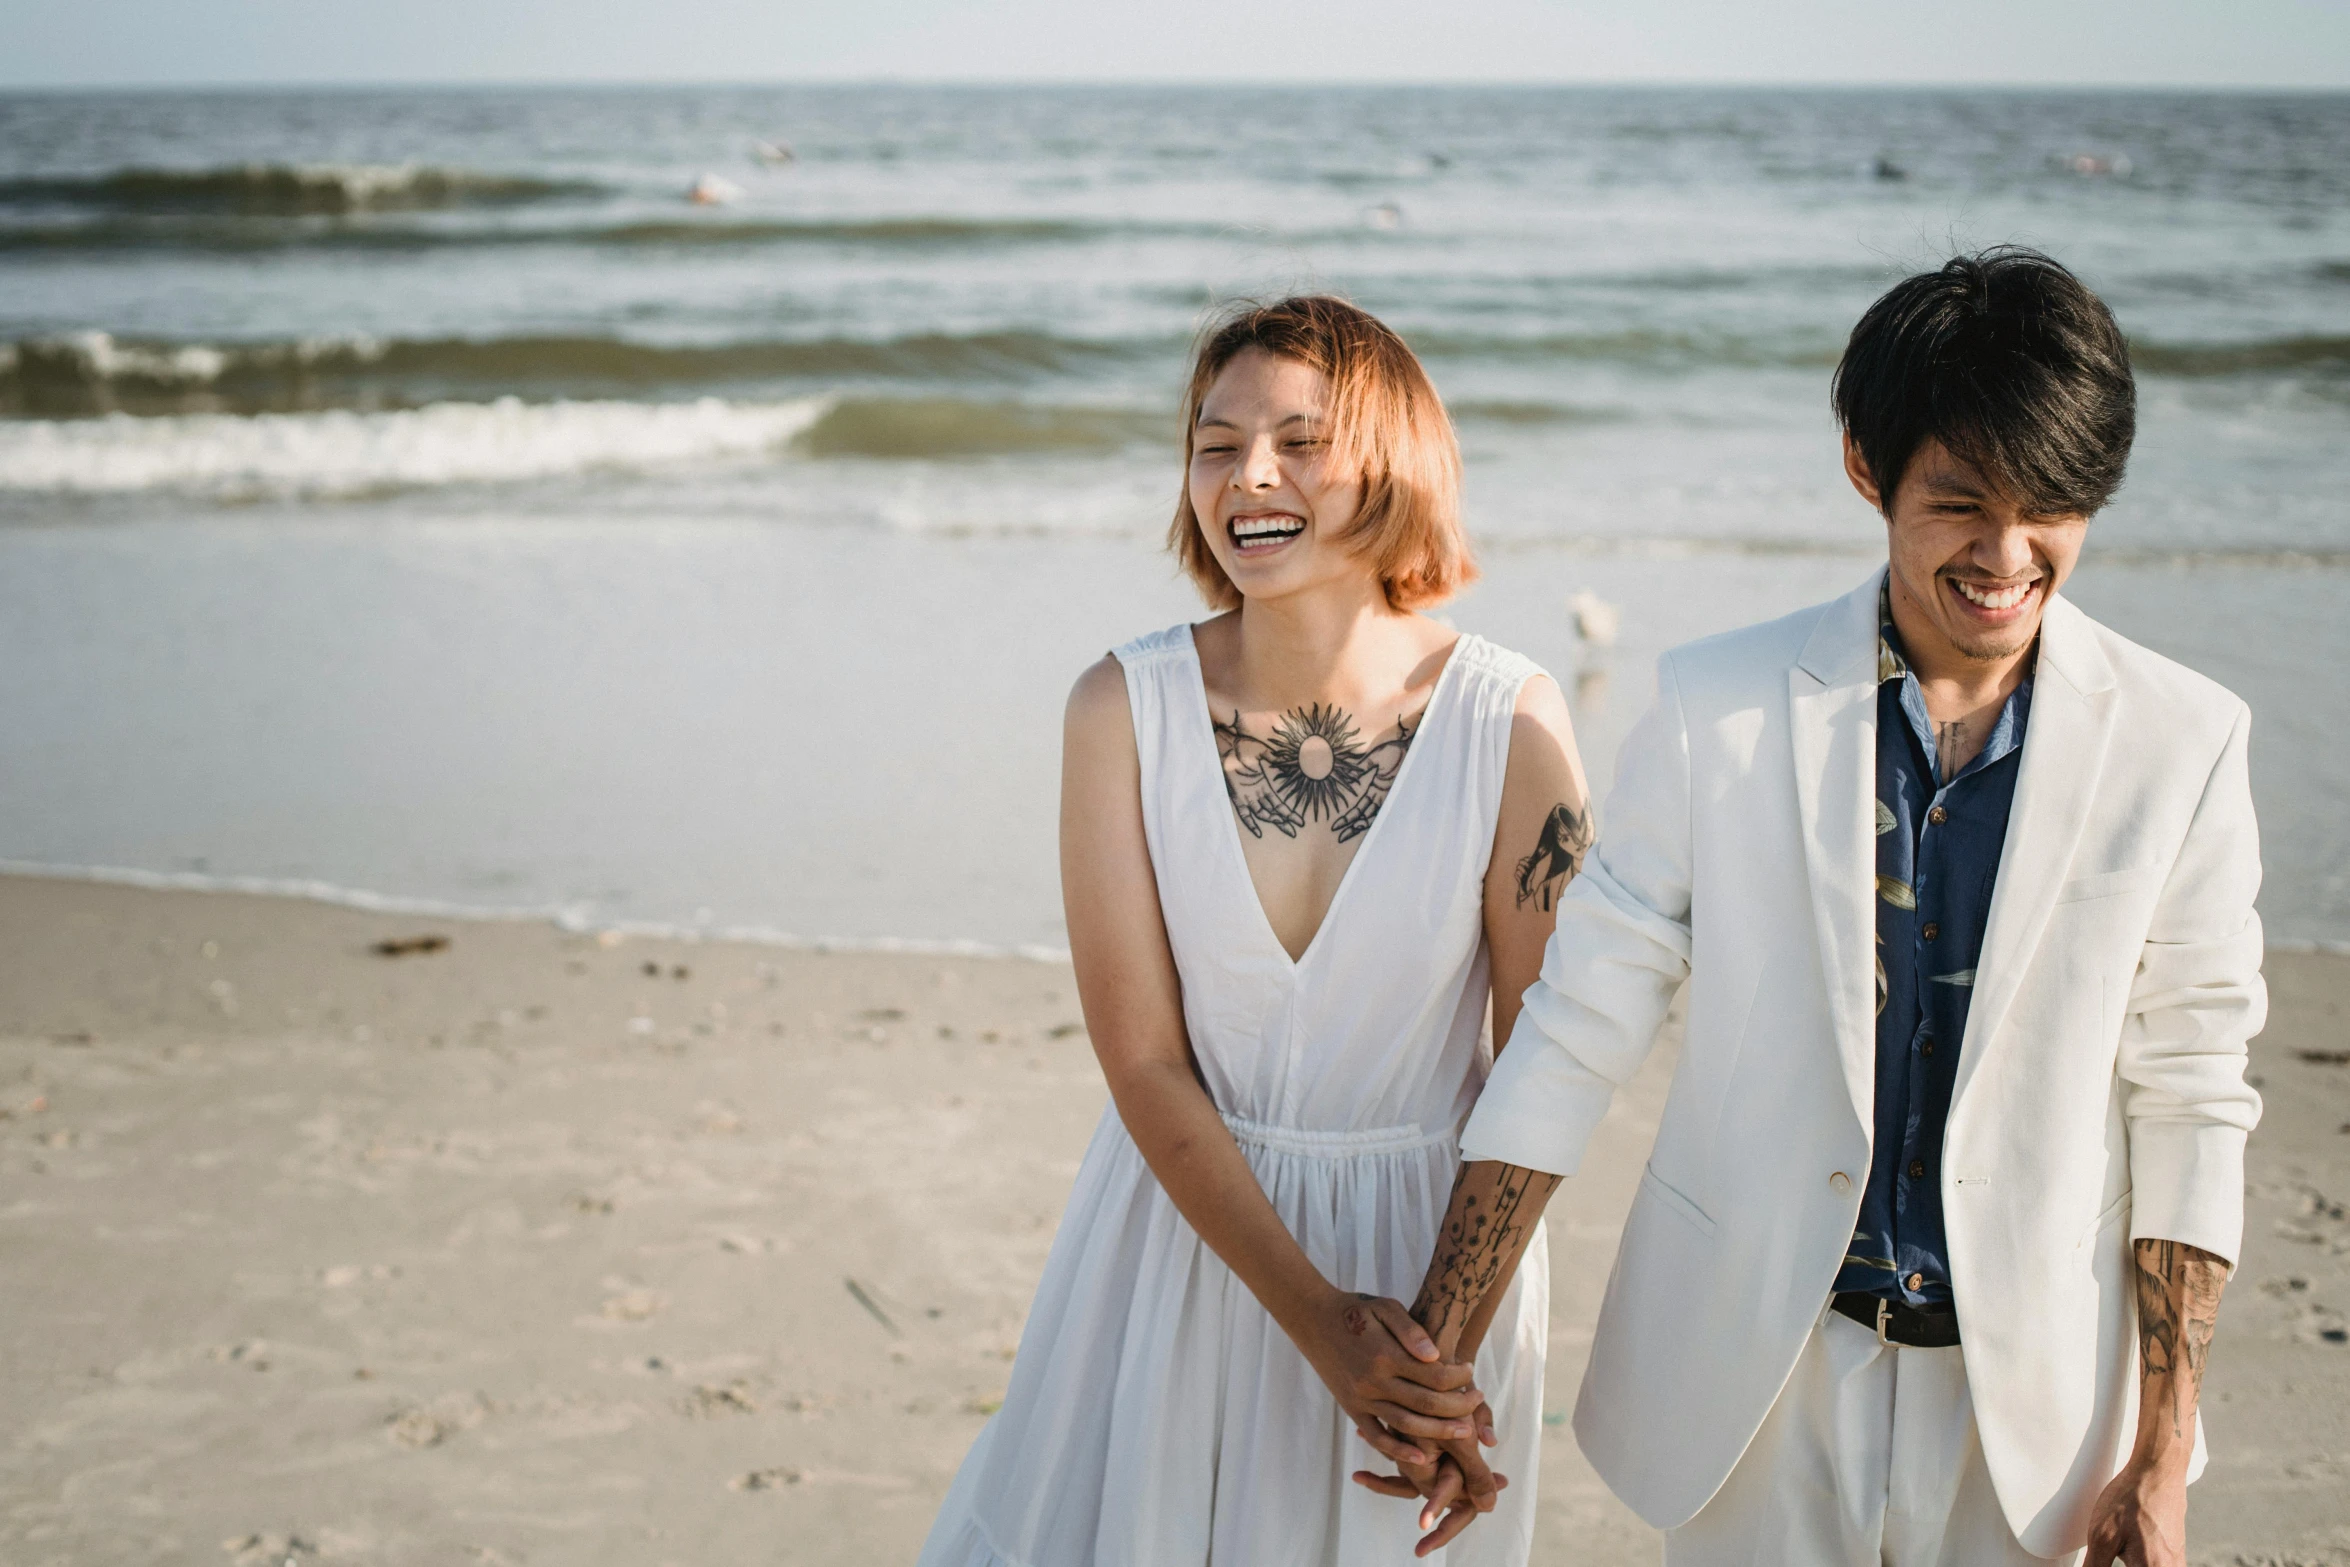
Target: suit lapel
[1832, 700]
[2056, 786]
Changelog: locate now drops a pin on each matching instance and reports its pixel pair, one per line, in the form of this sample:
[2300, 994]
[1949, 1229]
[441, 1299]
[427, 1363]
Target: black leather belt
[1911, 1327]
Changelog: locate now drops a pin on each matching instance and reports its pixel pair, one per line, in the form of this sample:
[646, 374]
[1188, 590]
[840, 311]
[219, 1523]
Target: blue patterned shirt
[1938, 846]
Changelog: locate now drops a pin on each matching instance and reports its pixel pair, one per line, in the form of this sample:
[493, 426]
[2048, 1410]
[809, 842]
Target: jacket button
[1937, 816]
[1840, 1182]
[1916, 1282]
[1931, 930]
[1917, 1169]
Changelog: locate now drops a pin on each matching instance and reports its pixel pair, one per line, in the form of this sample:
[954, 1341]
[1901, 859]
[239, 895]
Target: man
[1962, 885]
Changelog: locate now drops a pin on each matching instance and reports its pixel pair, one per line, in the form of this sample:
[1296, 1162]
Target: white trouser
[1869, 1459]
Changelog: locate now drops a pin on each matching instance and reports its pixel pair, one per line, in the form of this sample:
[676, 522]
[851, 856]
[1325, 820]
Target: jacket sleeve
[1620, 950]
[2196, 1000]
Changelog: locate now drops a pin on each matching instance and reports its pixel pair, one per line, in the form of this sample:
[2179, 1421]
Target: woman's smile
[1259, 533]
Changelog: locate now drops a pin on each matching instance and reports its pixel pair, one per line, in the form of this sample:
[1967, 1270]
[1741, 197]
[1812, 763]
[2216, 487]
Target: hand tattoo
[1312, 768]
[1482, 1235]
[2178, 1289]
[1566, 837]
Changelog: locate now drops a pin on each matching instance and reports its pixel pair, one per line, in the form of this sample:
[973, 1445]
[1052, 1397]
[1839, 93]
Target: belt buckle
[1884, 1312]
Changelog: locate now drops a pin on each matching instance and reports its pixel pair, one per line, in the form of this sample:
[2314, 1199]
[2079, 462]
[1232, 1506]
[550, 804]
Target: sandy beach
[528, 1246]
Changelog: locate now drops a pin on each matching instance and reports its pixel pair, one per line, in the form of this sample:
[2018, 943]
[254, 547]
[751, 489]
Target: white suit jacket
[2100, 1094]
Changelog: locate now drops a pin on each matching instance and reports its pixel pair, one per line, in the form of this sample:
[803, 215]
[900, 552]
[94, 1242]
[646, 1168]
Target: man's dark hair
[2009, 361]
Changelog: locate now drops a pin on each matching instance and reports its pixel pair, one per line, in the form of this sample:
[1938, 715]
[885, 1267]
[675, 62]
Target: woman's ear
[1856, 468]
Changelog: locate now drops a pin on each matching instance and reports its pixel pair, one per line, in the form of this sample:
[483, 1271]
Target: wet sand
[539, 1248]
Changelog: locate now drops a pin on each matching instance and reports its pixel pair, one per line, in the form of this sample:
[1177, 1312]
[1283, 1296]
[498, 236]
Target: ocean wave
[1662, 350]
[247, 235]
[1522, 413]
[287, 189]
[2313, 352]
[82, 374]
[347, 453]
[917, 427]
[1800, 349]
[85, 373]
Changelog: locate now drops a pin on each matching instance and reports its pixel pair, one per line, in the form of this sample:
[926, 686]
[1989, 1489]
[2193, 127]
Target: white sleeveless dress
[1157, 1416]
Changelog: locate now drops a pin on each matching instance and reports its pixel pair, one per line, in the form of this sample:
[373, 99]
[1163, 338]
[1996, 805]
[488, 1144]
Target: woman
[1285, 963]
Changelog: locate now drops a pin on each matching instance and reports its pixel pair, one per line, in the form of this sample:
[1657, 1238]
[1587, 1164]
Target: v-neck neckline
[1206, 728]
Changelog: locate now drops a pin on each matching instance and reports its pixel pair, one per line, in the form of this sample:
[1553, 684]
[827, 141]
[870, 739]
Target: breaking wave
[84, 373]
[348, 453]
[287, 189]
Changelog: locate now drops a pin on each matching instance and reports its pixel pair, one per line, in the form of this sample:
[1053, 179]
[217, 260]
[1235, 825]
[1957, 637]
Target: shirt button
[1916, 1282]
[1840, 1182]
[1917, 1169]
[1927, 1048]
[1931, 930]
[1937, 816]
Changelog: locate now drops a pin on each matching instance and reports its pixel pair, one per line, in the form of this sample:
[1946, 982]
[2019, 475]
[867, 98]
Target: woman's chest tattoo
[1312, 768]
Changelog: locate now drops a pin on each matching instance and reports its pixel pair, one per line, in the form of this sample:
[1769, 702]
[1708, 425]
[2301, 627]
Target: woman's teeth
[2001, 598]
[1263, 532]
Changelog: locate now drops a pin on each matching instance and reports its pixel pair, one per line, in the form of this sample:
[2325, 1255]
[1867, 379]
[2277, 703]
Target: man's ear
[1856, 468]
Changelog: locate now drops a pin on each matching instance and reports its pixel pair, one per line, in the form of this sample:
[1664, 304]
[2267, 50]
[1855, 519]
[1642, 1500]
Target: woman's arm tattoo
[2178, 1290]
[1493, 1212]
[1566, 837]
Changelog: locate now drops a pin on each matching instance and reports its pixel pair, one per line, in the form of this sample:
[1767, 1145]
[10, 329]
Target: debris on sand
[409, 946]
[765, 1480]
[858, 1291]
[710, 1400]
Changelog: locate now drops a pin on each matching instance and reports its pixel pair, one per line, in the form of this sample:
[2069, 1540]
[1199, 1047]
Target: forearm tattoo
[1314, 768]
[1493, 1211]
[2178, 1310]
[1566, 837]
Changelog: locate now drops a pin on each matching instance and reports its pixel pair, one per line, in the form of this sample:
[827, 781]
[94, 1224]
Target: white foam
[348, 453]
[98, 357]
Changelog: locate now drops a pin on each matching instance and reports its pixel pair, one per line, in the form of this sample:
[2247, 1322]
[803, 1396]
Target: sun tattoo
[1314, 767]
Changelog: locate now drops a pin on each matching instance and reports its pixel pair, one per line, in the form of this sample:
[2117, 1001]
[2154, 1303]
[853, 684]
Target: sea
[687, 508]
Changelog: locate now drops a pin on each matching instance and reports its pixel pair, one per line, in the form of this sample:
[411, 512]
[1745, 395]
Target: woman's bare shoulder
[1098, 701]
[1542, 705]
[1544, 765]
[1100, 684]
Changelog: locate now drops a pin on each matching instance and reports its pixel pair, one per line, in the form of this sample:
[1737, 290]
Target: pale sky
[2282, 43]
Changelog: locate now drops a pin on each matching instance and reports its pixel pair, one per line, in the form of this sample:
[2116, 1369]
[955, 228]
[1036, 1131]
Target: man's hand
[2141, 1518]
[1386, 1373]
[1453, 1490]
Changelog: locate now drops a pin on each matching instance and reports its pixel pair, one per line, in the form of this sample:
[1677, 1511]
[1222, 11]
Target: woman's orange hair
[1385, 422]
